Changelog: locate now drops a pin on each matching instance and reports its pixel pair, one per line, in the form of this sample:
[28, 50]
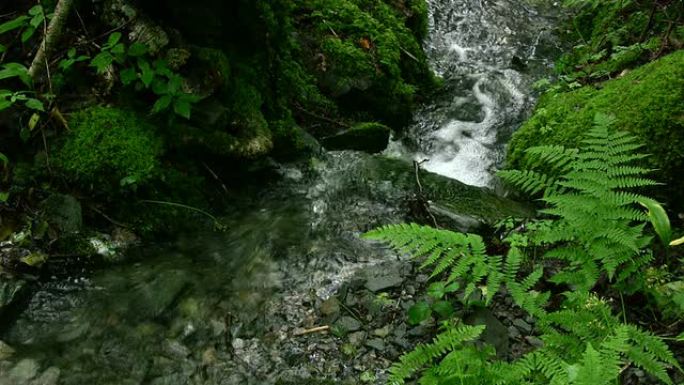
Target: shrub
[109, 146]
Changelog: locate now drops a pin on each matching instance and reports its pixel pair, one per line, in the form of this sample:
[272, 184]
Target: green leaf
[34, 259]
[4, 196]
[419, 313]
[24, 134]
[101, 61]
[11, 70]
[680, 337]
[146, 72]
[444, 308]
[26, 35]
[33, 122]
[13, 24]
[35, 104]
[677, 242]
[182, 108]
[37, 20]
[161, 104]
[118, 49]
[137, 49]
[4, 159]
[659, 219]
[5, 104]
[128, 76]
[113, 39]
[2, 48]
[36, 10]
[437, 290]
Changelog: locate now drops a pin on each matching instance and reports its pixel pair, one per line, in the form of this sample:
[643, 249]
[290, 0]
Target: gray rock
[368, 137]
[513, 332]
[356, 339]
[522, 325]
[376, 284]
[49, 377]
[348, 324]
[24, 371]
[495, 333]
[534, 341]
[63, 212]
[382, 332]
[175, 349]
[376, 343]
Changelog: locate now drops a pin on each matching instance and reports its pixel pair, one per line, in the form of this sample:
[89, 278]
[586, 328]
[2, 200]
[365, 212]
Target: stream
[231, 307]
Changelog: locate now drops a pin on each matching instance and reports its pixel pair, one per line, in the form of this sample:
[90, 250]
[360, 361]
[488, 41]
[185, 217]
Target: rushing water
[488, 53]
[221, 308]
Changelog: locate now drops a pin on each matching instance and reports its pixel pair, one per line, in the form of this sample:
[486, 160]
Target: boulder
[63, 213]
[367, 137]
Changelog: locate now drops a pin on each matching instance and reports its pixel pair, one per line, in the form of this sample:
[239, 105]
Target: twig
[174, 204]
[52, 35]
[421, 196]
[317, 329]
[105, 216]
[85, 30]
[409, 54]
[57, 114]
[213, 174]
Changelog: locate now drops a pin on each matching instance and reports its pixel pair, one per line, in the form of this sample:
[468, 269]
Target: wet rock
[49, 377]
[376, 284]
[63, 213]
[376, 343]
[523, 326]
[330, 307]
[175, 349]
[368, 137]
[6, 351]
[348, 324]
[513, 332]
[534, 341]
[23, 371]
[495, 333]
[382, 332]
[356, 339]
[11, 290]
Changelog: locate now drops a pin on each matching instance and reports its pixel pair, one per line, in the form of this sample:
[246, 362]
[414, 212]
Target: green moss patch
[648, 102]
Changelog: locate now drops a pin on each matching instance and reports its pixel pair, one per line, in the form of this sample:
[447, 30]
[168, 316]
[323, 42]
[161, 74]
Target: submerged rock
[368, 137]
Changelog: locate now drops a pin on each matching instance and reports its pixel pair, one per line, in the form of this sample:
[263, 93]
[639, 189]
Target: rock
[24, 371]
[522, 326]
[368, 137]
[376, 284]
[534, 341]
[356, 339]
[348, 324]
[6, 351]
[376, 343]
[382, 332]
[330, 306]
[11, 290]
[63, 213]
[495, 333]
[209, 357]
[513, 332]
[49, 377]
[175, 349]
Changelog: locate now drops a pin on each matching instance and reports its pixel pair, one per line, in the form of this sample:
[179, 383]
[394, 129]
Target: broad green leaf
[5, 104]
[72, 52]
[444, 308]
[37, 20]
[4, 159]
[419, 313]
[13, 24]
[4, 196]
[12, 70]
[146, 72]
[26, 35]
[128, 76]
[34, 259]
[137, 49]
[35, 104]
[113, 39]
[437, 290]
[118, 49]
[101, 61]
[36, 10]
[161, 104]
[24, 134]
[182, 108]
[659, 219]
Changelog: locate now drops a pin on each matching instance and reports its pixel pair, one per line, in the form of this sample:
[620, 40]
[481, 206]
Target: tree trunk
[52, 36]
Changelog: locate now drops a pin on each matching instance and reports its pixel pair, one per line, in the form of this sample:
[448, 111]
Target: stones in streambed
[27, 372]
[6, 351]
[368, 137]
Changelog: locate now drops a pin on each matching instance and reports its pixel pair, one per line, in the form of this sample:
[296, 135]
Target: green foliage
[138, 70]
[109, 147]
[592, 227]
[647, 102]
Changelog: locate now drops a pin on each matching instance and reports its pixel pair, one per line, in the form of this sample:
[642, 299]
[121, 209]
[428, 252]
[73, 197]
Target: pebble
[376, 343]
[348, 324]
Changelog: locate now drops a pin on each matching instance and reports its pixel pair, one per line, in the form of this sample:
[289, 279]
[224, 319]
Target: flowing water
[224, 308]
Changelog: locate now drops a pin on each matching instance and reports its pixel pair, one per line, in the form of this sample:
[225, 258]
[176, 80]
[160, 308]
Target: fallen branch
[52, 35]
[317, 329]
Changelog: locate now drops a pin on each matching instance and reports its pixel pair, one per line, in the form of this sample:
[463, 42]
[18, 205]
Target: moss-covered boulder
[648, 102]
[109, 146]
[368, 137]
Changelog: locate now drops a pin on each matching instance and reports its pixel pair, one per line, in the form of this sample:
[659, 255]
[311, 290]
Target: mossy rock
[648, 102]
[368, 137]
[109, 146]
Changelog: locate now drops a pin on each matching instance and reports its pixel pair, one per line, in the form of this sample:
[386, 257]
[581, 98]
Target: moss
[369, 136]
[109, 146]
[648, 102]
